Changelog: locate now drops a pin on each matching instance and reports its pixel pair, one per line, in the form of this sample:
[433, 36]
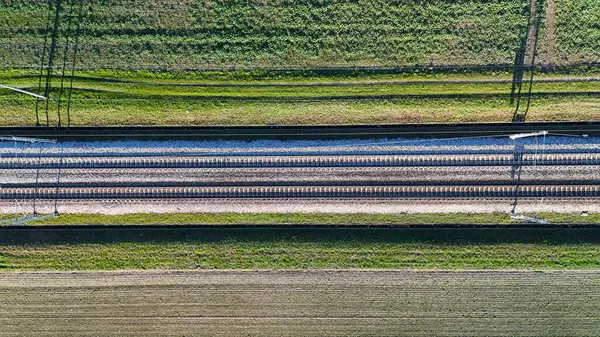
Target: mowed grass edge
[294, 248]
[228, 219]
[106, 97]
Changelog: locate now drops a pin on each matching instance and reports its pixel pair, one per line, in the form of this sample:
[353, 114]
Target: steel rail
[290, 183]
[356, 150]
[302, 161]
[341, 192]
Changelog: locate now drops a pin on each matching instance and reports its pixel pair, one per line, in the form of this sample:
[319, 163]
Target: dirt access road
[301, 303]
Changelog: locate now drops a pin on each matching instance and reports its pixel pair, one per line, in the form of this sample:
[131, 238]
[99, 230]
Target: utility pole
[23, 92]
[516, 175]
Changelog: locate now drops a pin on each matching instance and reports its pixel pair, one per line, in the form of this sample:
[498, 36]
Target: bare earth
[301, 303]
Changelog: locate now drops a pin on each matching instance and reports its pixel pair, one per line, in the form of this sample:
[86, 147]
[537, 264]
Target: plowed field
[301, 303]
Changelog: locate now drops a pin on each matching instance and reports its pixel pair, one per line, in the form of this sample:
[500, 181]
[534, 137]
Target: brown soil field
[301, 303]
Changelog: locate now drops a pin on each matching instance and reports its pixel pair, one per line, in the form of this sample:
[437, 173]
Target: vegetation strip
[241, 63]
[447, 249]
[516, 225]
[305, 219]
[110, 97]
[142, 34]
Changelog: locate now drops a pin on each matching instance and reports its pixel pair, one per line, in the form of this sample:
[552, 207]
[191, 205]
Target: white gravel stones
[325, 147]
[328, 176]
[370, 206]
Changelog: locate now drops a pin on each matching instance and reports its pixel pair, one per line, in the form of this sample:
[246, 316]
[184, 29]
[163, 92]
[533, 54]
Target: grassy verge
[181, 98]
[303, 218]
[300, 248]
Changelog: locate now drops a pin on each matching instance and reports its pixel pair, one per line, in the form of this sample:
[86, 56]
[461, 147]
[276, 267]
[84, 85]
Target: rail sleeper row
[303, 192]
[302, 161]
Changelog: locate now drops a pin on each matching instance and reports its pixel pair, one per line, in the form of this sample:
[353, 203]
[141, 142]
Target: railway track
[269, 192]
[301, 161]
[124, 173]
[321, 183]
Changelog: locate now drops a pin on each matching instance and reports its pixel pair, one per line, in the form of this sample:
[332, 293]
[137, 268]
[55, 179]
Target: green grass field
[189, 33]
[176, 36]
[278, 34]
[300, 248]
[304, 219]
[288, 98]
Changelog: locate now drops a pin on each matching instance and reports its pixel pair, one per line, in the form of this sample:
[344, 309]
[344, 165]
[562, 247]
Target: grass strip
[447, 249]
[18, 111]
[304, 219]
[110, 98]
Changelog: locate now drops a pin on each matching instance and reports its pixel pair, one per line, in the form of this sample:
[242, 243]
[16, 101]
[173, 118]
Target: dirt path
[300, 303]
[548, 52]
